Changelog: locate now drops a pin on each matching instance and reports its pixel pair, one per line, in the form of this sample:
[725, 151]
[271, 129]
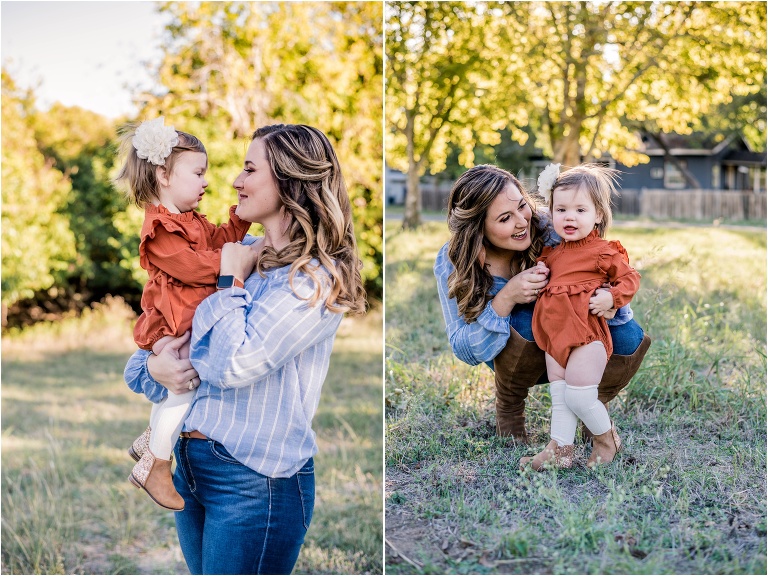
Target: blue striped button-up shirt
[262, 353]
[482, 340]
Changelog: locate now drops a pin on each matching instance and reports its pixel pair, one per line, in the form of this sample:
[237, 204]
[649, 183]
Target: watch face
[225, 282]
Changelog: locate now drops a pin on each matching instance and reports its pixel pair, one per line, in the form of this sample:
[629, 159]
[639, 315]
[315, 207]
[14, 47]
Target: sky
[87, 54]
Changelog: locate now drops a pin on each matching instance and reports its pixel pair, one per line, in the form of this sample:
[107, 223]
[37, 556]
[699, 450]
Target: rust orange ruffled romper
[182, 254]
[561, 318]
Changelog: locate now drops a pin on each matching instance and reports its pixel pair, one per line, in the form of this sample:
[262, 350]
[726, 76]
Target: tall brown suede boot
[517, 367]
[618, 372]
[553, 456]
[154, 476]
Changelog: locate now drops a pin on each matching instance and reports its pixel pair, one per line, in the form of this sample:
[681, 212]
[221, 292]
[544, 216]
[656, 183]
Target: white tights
[570, 402]
[582, 400]
[166, 420]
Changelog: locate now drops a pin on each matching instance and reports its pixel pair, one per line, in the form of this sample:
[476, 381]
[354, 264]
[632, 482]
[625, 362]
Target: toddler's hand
[601, 303]
[237, 260]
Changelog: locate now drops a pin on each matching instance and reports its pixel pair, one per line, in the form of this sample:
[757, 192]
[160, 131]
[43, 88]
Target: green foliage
[443, 58]
[231, 67]
[583, 76]
[228, 68]
[508, 154]
[81, 146]
[38, 245]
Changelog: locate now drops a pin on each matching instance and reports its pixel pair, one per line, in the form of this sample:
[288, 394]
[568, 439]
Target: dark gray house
[726, 179]
[717, 162]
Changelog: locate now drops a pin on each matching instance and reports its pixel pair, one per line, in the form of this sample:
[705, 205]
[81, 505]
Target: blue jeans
[235, 520]
[626, 338]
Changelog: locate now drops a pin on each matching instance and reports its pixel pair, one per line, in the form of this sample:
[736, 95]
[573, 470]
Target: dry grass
[67, 419]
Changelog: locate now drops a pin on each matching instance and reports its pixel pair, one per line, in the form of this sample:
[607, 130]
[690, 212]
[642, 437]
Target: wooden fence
[434, 195]
[662, 204]
[692, 204]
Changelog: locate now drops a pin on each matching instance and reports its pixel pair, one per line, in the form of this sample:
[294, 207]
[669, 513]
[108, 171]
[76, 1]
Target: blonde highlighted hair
[599, 183]
[468, 203]
[312, 190]
[139, 176]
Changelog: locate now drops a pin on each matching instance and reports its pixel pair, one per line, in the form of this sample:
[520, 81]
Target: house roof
[744, 157]
[694, 144]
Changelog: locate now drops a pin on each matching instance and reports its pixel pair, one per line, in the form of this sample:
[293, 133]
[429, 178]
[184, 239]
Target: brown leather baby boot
[140, 445]
[604, 447]
[154, 476]
[553, 456]
[517, 368]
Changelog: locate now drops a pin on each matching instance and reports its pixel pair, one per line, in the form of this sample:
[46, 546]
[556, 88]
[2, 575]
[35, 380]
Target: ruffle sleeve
[157, 219]
[625, 280]
[605, 258]
[616, 245]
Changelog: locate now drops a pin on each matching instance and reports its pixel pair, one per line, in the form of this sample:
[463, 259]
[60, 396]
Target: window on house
[757, 177]
[657, 173]
[673, 176]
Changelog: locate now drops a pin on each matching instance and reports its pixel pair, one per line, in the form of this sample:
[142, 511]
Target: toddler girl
[568, 320]
[181, 250]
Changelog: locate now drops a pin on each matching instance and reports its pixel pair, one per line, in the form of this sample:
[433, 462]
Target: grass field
[687, 495]
[68, 418]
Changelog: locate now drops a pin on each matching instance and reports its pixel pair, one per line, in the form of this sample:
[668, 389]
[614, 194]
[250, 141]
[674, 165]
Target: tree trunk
[567, 151]
[690, 179]
[412, 216]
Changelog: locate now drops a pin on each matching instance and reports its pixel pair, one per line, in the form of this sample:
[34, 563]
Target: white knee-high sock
[563, 423]
[582, 400]
[154, 413]
[167, 422]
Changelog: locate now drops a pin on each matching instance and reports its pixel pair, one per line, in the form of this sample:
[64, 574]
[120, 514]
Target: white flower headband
[547, 178]
[154, 141]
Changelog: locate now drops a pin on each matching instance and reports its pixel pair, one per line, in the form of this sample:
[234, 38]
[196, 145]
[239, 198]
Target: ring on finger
[192, 384]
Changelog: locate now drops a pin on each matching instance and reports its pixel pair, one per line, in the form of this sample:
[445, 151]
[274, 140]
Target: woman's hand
[522, 288]
[601, 304]
[238, 260]
[170, 370]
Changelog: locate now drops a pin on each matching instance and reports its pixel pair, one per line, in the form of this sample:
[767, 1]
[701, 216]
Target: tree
[38, 245]
[443, 58]
[80, 144]
[600, 70]
[233, 66]
[585, 76]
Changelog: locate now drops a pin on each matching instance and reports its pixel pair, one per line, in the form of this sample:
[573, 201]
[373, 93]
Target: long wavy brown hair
[312, 190]
[468, 204]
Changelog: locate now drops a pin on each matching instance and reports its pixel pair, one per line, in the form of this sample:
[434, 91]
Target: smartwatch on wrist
[228, 282]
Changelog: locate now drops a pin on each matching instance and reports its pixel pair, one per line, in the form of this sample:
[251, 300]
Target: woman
[488, 284]
[259, 354]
